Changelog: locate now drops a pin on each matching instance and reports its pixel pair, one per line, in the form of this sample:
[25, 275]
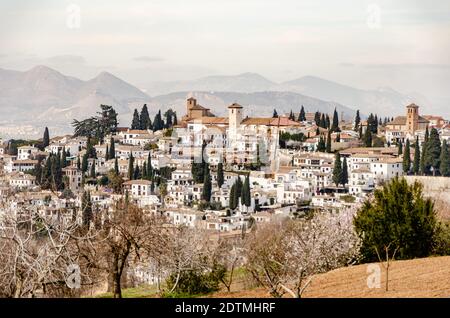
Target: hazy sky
[403, 44]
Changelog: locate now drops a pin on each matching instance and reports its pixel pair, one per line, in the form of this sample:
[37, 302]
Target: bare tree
[389, 256]
[283, 257]
[36, 254]
[228, 254]
[186, 250]
[127, 235]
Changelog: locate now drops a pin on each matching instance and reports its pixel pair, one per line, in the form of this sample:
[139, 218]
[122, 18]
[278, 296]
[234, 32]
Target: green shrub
[195, 282]
[442, 244]
[398, 218]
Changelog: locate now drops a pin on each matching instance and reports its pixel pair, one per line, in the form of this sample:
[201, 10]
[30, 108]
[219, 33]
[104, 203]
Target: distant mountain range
[382, 100]
[44, 97]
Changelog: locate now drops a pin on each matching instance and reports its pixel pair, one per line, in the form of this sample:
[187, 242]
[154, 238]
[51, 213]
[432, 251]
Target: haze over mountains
[44, 97]
[385, 100]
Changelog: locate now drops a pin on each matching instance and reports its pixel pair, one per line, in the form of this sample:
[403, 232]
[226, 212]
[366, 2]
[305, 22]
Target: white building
[26, 152]
[20, 165]
[361, 181]
[138, 188]
[22, 180]
[386, 169]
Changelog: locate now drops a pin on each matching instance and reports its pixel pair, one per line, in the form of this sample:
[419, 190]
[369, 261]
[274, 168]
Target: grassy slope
[427, 277]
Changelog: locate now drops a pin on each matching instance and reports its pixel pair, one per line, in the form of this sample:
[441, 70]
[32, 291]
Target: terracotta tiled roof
[209, 120]
[257, 121]
[142, 182]
[283, 121]
[399, 120]
[199, 107]
[137, 131]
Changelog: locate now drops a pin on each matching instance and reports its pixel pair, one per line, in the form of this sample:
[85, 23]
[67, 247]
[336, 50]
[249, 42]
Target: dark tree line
[240, 190]
[50, 176]
[142, 120]
[434, 157]
[340, 171]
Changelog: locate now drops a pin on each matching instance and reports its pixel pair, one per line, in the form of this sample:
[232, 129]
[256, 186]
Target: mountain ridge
[43, 96]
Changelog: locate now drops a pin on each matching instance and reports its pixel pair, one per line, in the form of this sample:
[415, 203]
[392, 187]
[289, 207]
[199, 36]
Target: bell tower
[191, 103]
[234, 119]
[412, 118]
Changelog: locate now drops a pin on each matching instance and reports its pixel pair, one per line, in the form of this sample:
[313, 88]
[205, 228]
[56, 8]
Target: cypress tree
[375, 124]
[323, 122]
[131, 167]
[423, 168]
[321, 147]
[144, 118]
[107, 153]
[220, 177]
[90, 150]
[433, 151]
[367, 138]
[232, 203]
[78, 162]
[328, 147]
[317, 118]
[38, 172]
[47, 173]
[84, 165]
[357, 120]
[416, 165]
[152, 187]
[335, 125]
[158, 123]
[360, 132]
[207, 187]
[169, 115]
[116, 166]
[112, 149]
[247, 192]
[344, 178]
[291, 115]
[63, 159]
[444, 167]
[136, 173]
[92, 172]
[302, 115]
[327, 122]
[175, 120]
[400, 148]
[135, 124]
[56, 173]
[144, 171]
[127, 197]
[407, 158]
[46, 138]
[337, 170]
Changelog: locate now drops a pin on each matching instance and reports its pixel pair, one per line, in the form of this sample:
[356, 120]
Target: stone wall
[438, 188]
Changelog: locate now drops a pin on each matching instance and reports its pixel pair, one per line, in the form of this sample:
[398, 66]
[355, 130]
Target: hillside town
[220, 175]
